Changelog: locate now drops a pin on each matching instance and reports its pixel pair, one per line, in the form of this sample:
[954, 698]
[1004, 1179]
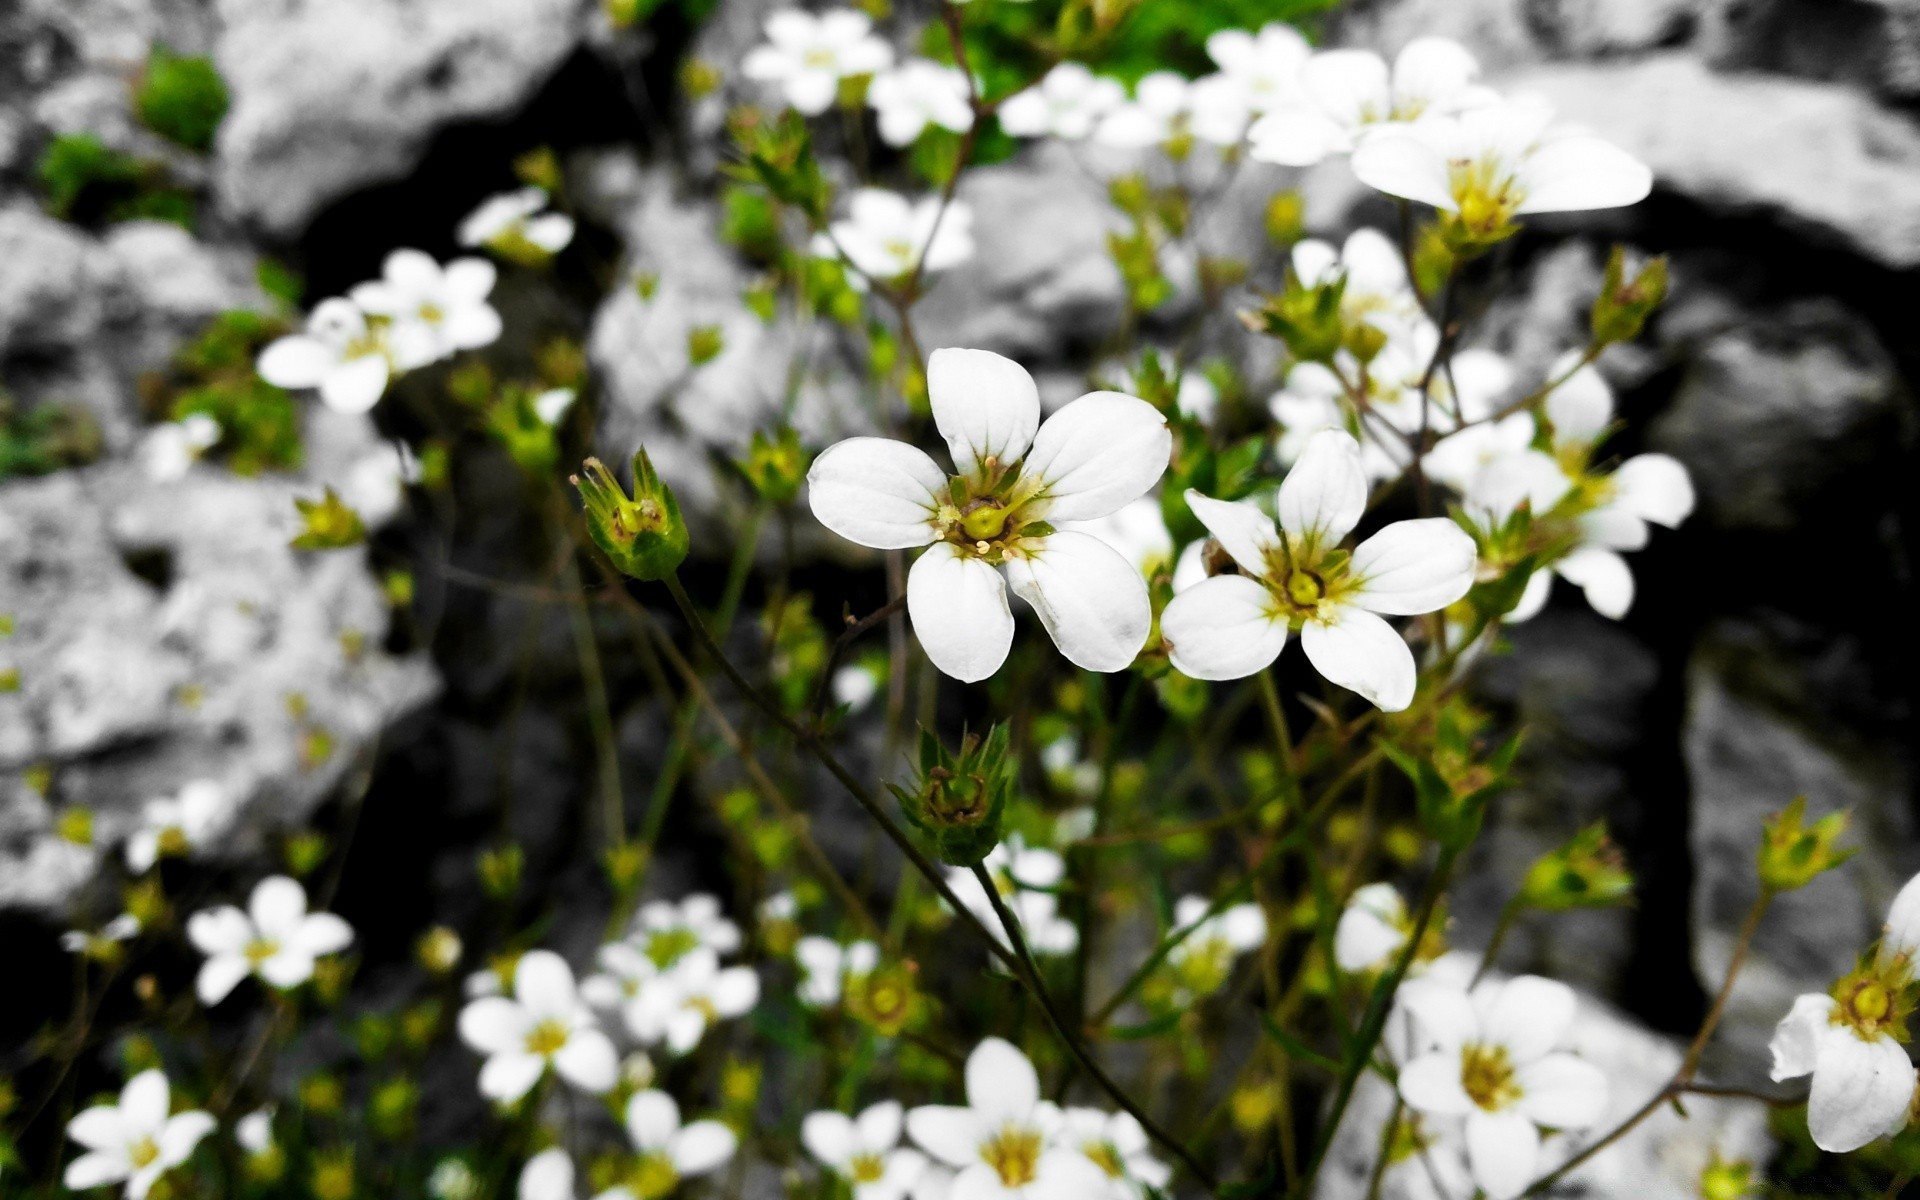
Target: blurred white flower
[1137, 529]
[679, 1006]
[916, 94]
[1227, 934]
[1373, 928]
[669, 1151]
[548, 1175]
[1154, 117]
[168, 451]
[1377, 290]
[545, 1024]
[1068, 103]
[855, 686]
[1494, 1059]
[513, 220]
[1348, 93]
[1116, 1144]
[1258, 72]
[1234, 625]
[444, 307]
[865, 1151]
[807, 56]
[276, 938]
[348, 359]
[826, 966]
[376, 483]
[552, 404]
[178, 825]
[1086, 461]
[123, 928]
[885, 236]
[136, 1141]
[254, 1132]
[667, 931]
[1003, 1141]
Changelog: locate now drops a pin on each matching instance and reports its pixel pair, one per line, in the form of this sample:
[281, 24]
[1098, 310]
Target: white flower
[1002, 1141]
[624, 970]
[1234, 625]
[1117, 1144]
[1153, 117]
[444, 307]
[376, 483]
[1088, 459]
[885, 235]
[1021, 877]
[1377, 291]
[855, 686]
[179, 824]
[276, 939]
[1068, 103]
[123, 928]
[453, 1179]
[781, 906]
[168, 451]
[1899, 948]
[1494, 1059]
[916, 94]
[553, 404]
[134, 1141]
[669, 1151]
[1373, 928]
[1863, 1082]
[666, 931]
[865, 1150]
[1347, 93]
[349, 360]
[1498, 161]
[254, 1132]
[544, 1024]
[516, 219]
[548, 1175]
[808, 56]
[826, 965]
[1258, 73]
[1226, 934]
[677, 1007]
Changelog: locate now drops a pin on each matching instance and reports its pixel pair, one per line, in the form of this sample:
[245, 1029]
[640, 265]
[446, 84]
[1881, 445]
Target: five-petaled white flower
[544, 1024]
[1003, 1139]
[445, 307]
[885, 235]
[1117, 1144]
[1068, 103]
[135, 1141]
[826, 966]
[348, 359]
[512, 223]
[1258, 73]
[1348, 93]
[678, 1006]
[669, 1151]
[865, 1151]
[1493, 1057]
[1155, 115]
[1202, 960]
[178, 824]
[1015, 478]
[276, 938]
[1490, 164]
[916, 94]
[666, 931]
[807, 56]
[1373, 928]
[169, 450]
[1297, 577]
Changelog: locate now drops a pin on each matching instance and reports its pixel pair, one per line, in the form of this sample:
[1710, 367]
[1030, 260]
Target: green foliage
[214, 375]
[45, 438]
[182, 98]
[86, 180]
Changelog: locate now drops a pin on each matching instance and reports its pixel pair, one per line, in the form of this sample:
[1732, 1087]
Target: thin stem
[840, 645]
[599, 716]
[1029, 975]
[1508, 913]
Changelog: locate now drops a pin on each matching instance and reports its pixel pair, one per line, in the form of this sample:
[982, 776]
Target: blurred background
[161, 635]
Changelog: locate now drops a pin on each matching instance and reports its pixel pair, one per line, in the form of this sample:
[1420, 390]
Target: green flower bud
[704, 344]
[645, 536]
[1286, 218]
[1621, 309]
[439, 950]
[327, 524]
[76, 826]
[776, 466]
[500, 871]
[305, 852]
[1307, 319]
[958, 800]
[1724, 1179]
[1587, 872]
[1792, 852]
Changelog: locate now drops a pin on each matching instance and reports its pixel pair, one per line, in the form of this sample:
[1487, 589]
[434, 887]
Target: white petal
[1223, 628]
[181, 1134]
[1400, 163]
[1796, 1040]
[356, 385]
[277, 907]
[1413, 567]
[218, 977]
[876, 492]
[1350, 85]
[1092, 600]
[958, 605]
[1096, 454]
[95, 1170]
[1527, 1014]
[1580, 408]
[1562, 1092]
[1902, 939]
[1001, 1082]
[323, 933]
[1577, 172]
[287, 969]
[829, 1137]
[494, 1025]
[879, 1126]
[1604, 576]
[144, 1101]
[468, 281]
[507, 1077]
[1442, 1012]
[1503, 1149]
[703, 1147]
[588, 1061]
[296, 361]
[473, 327]
[1861, 1090]
[548, 1175]
[1324, 495]
[1242, 530]
[984, 405]
[223, 930]
[1654, 487]
[652, 1119]
[1357, 650]
[1430, 69]
[1362, 941]
[1431, 1084]
[99, 1128]
[951, 1133]
[543, 983]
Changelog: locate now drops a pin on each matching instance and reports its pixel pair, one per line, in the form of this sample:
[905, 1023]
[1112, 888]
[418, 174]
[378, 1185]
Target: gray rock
[308, 126]
[1775, 406]
[166, 633]
[1819, 157]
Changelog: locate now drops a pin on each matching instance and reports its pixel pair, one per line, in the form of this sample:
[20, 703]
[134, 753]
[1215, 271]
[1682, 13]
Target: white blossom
[826, 966]
[670, 1151]
[886, 236]
[865, 1151]
[515, 218]
[1002, 1141]
[254, 1132]
[544, 1024]
[1863, 1082]
[1346, 94]
[987, 527]
[136, 1141]
[1373, 928]
[445, 308]
[348, 359]
[678, 1006]
[1156, 114]
[179, 824]
[1023, 877]
[168, 451]
[548, 1175]
[806, 56]
[276, 938]
[1068, 103]
[916, 94]
[553, 404]
[1117, 1144]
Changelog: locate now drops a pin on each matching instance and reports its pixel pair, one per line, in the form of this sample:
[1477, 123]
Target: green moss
[78, 168]
[181, 98]
[214, 375]
[45, 438]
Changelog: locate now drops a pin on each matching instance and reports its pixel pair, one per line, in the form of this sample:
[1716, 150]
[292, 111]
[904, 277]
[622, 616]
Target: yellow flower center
[1014, 1154]
[654, 1176]
[669, 946]
[1305, 589]
[432, 314]
[819, 59]
[1487, 1075]
[985, 521]
[1107, 1157]
[547, 1037]
[261, 949]
[172, 842]
[867, 1168]
[1487, 196]
[143, 1152]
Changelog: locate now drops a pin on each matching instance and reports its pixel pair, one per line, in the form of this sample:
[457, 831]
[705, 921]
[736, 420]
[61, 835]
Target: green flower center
[1487, 195]
[1107, 1157]
[1014, 1155]
[547, 1037]
[143, 1152]
[990, 512]
[867, 1168]
[669, 946]
[1487, 1075]
[261, 949]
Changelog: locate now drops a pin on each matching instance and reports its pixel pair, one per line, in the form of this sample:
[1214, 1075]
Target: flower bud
[776, 466]
[76, 825]
[1587, 872]
[644, 537]
[958, 800]
[1724, 1179]
[500, 871]
[704, 344]
[1792, 852]
[884, 998]
[1621, 309]
[1286, 218]
[327, 524]
[1306, 318]
[439, 950]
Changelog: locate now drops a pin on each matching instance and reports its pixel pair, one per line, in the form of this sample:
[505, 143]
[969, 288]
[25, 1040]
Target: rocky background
[165, 632]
